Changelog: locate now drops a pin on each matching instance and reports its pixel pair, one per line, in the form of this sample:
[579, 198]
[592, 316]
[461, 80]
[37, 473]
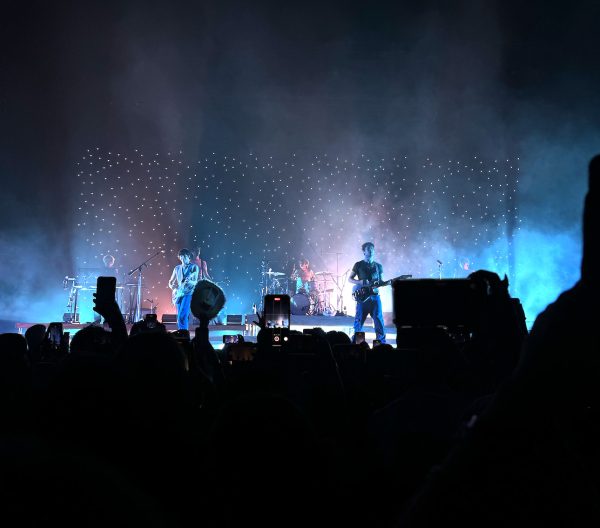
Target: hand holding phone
[359, 337]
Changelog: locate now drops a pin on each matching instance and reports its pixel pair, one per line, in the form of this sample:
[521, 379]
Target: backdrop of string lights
[426, 216]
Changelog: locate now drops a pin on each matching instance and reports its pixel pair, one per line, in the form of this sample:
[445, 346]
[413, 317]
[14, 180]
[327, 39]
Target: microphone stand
[138, 302]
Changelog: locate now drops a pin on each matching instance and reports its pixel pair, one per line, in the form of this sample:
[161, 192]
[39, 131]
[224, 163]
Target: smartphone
[105, 289]
[376, 342]
[277, 317]
[55, 334]
[230, 339]
[359, 337]
[150, 320]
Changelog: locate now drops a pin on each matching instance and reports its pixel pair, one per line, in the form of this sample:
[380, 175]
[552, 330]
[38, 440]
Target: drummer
[305, 276]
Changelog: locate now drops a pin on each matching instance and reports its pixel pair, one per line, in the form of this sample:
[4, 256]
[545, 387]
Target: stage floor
[250, 330]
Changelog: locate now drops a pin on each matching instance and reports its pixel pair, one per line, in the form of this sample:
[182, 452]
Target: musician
[109, 269]
[109, 261]
[182, 282]
[305, 272]
[303, 276]
[202, 266]
[364, 273]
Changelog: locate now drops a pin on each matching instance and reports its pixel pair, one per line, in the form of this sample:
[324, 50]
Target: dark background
[432, 81]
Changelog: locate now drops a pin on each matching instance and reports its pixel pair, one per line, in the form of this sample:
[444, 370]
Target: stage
[249, 330]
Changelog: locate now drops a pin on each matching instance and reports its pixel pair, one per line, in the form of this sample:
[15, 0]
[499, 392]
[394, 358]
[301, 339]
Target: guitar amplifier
[168, 318]
[235, 319]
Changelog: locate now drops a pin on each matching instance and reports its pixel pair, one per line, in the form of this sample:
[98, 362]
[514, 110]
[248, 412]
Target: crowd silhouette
[488, 426]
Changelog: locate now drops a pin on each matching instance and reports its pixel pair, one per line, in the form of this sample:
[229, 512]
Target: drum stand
[340, 308]
[321, 297]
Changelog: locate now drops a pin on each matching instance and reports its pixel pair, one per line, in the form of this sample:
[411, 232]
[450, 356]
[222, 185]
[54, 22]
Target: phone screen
[359, 337]
[55, 332]
[230, 339]
[277, 318]
[277, 311]
[106, 288]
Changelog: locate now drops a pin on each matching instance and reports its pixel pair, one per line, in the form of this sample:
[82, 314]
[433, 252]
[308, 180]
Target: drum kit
[313, 297]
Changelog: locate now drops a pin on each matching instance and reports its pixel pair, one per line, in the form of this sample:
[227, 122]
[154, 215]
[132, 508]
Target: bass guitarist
[365, 274]
[182, 282]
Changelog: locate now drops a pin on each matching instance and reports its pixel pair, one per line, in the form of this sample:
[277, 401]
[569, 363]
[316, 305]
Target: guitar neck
[388, 282]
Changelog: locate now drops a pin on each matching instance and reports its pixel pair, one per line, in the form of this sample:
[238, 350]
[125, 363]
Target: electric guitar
[185, 288]
[361, 293]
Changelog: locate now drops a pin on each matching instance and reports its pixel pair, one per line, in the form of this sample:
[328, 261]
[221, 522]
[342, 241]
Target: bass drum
[300, 304]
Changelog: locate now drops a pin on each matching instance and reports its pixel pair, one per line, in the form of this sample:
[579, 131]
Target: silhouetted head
[92, 339]
[35, 336]
[13, 352]
[335, 337]
[494, 286]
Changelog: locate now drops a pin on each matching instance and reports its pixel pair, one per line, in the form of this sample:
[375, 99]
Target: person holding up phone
[182, 283]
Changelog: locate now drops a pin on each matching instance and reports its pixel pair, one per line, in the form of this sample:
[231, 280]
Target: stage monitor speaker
[234, 319]
[168, 318]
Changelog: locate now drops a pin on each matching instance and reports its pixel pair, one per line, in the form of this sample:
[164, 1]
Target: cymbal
[274, 273]
[322, 272]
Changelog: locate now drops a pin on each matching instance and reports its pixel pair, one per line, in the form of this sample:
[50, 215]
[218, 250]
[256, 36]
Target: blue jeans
[372, 307]
[183, 312]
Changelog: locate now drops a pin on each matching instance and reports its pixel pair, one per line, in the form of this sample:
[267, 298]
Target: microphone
[439, 262]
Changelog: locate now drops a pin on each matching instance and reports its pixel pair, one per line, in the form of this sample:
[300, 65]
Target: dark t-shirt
[364, 271]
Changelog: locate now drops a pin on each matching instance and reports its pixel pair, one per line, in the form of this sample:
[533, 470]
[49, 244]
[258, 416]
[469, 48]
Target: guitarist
[365, 273]
[183, 280]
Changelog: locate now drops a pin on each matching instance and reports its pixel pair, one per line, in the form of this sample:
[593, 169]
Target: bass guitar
[361, 293]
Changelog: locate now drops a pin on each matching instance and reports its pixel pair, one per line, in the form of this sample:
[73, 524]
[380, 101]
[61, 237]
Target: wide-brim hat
[207, 300]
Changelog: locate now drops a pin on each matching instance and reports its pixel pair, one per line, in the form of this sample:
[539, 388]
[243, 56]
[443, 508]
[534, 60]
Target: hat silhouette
[207, 300]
